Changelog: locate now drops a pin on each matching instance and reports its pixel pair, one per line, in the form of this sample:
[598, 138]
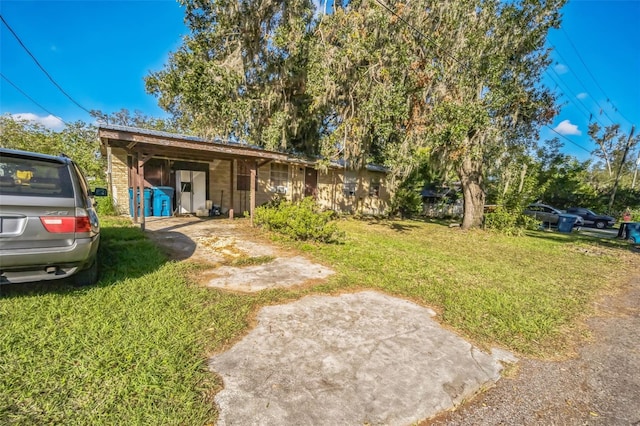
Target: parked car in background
[49, 228]
[549, 215]
[592, 219]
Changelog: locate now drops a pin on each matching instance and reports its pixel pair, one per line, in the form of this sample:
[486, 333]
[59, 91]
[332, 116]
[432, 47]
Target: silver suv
[550, 215]
[49, 228]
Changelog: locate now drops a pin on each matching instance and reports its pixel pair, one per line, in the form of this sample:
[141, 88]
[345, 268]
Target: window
[350, 184]
[279, 177]
[31, 177]
[374, 187]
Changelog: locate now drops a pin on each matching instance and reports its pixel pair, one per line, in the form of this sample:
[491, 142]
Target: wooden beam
[252, 203]
[181, 143]
[141, 189]
[264, 162]
[144, 158]
[231, 191]
[134, 186]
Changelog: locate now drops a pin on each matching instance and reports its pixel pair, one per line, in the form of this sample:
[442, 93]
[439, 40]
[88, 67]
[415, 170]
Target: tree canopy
[389, 82]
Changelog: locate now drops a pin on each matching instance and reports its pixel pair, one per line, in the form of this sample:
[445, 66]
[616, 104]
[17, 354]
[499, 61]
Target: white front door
[191, 187]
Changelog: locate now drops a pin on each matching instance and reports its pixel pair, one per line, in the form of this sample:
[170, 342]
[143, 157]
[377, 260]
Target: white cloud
[561, 69]
[50, 121]
[582, 95]
[566, 128]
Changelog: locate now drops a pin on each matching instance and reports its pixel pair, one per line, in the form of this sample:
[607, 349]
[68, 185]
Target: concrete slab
[279, 273]
[354, 359]
[218, 242]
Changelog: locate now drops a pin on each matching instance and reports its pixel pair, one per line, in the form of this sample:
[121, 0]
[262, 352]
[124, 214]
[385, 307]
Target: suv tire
[87, 276]
[600, 224]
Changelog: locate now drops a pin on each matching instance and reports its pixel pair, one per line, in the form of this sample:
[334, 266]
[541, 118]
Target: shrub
[105, 207]
[509, 222]
[406, 202]
[300, 221]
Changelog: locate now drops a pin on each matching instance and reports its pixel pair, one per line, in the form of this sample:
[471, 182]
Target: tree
[124, 118]
[78, 140]
[451, 78]
[457, 80]
[615, 149]
[241, 73]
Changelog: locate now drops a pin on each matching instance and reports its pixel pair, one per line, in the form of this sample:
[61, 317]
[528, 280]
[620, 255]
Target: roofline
[136, 134]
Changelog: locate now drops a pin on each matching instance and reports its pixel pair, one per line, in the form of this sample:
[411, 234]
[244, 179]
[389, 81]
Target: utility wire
[563, 88]
[602, 110]
[592, 77]
[420, 33]
[570, 141]
[31, 99]
[41, 67]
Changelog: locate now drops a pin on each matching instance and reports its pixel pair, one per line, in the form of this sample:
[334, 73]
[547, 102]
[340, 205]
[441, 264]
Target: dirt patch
[239, 259]
[601, 386]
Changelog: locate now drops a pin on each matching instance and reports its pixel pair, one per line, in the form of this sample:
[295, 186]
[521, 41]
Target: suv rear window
[34, 177]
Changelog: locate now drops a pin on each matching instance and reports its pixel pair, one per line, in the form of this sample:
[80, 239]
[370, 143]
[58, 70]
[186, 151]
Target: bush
[509, 222]
[407, 203]
[105, 207]
[300, 221]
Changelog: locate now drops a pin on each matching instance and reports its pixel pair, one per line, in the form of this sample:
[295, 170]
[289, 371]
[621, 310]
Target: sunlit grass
[133, 349]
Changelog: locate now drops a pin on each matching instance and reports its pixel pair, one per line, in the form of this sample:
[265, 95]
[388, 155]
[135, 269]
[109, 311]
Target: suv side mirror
[100, 192]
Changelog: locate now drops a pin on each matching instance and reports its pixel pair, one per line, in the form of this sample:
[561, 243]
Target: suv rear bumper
[25, 265]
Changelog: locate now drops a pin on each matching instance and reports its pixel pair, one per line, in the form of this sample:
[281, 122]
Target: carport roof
[173, 145]
[148, 142]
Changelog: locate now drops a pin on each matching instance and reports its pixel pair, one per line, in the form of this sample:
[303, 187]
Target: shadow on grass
[405, 224]
[612, 243]
[124, 253]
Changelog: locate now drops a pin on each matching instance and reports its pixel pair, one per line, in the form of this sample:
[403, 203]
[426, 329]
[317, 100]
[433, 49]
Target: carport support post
[141, 189]
[252, 204]
[231, 191]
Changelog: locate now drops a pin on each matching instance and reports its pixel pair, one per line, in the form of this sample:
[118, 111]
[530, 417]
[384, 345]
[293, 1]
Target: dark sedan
[590, 218]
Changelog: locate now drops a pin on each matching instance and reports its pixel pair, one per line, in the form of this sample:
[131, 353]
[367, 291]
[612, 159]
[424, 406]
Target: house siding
[222, 181]
[120, 180]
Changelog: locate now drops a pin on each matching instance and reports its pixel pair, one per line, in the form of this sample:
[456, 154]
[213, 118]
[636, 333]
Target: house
[198, 176]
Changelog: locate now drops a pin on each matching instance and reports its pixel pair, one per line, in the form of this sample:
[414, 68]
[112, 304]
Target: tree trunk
[470, 173]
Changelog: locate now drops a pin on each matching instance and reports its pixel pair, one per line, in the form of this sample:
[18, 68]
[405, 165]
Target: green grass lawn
[133, 349]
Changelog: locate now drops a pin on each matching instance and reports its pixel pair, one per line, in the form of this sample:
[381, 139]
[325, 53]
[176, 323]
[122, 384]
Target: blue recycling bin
[163, 201]
[566, 222]
[631, 231]
[148, 193]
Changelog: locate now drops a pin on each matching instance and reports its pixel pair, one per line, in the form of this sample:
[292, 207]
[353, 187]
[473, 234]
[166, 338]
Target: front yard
[133, 349]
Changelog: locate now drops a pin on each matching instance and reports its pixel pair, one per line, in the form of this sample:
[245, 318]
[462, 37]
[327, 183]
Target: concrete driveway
[221, 242]
[353, 359]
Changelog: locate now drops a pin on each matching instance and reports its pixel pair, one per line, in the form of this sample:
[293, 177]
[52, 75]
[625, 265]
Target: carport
[140, 147]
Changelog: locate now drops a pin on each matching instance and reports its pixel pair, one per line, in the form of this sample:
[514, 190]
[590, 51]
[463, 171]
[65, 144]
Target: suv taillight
[61, 224]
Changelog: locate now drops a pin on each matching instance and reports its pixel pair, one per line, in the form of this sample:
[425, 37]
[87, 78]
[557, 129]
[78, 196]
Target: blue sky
[100, 51]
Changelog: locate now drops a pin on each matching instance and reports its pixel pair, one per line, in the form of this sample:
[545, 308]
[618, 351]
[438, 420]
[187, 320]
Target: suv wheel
[87, 276]
[600, 224]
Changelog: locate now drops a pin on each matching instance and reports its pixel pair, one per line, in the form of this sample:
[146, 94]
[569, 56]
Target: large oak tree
[459, 81]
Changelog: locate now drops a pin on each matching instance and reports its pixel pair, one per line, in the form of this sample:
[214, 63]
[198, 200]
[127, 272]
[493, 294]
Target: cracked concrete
[219, 242]
[363, 358]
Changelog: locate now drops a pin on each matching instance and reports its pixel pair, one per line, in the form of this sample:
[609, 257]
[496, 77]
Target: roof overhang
[176, 146]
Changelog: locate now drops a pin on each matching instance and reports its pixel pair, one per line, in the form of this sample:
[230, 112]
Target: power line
[570, 141]
[420, 33]
[563, 87]
[592, 76]
[602, 110]
[31, 99]
[41, 67]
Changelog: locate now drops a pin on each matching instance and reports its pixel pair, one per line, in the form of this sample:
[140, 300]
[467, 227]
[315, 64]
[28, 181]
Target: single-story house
[203, 177]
